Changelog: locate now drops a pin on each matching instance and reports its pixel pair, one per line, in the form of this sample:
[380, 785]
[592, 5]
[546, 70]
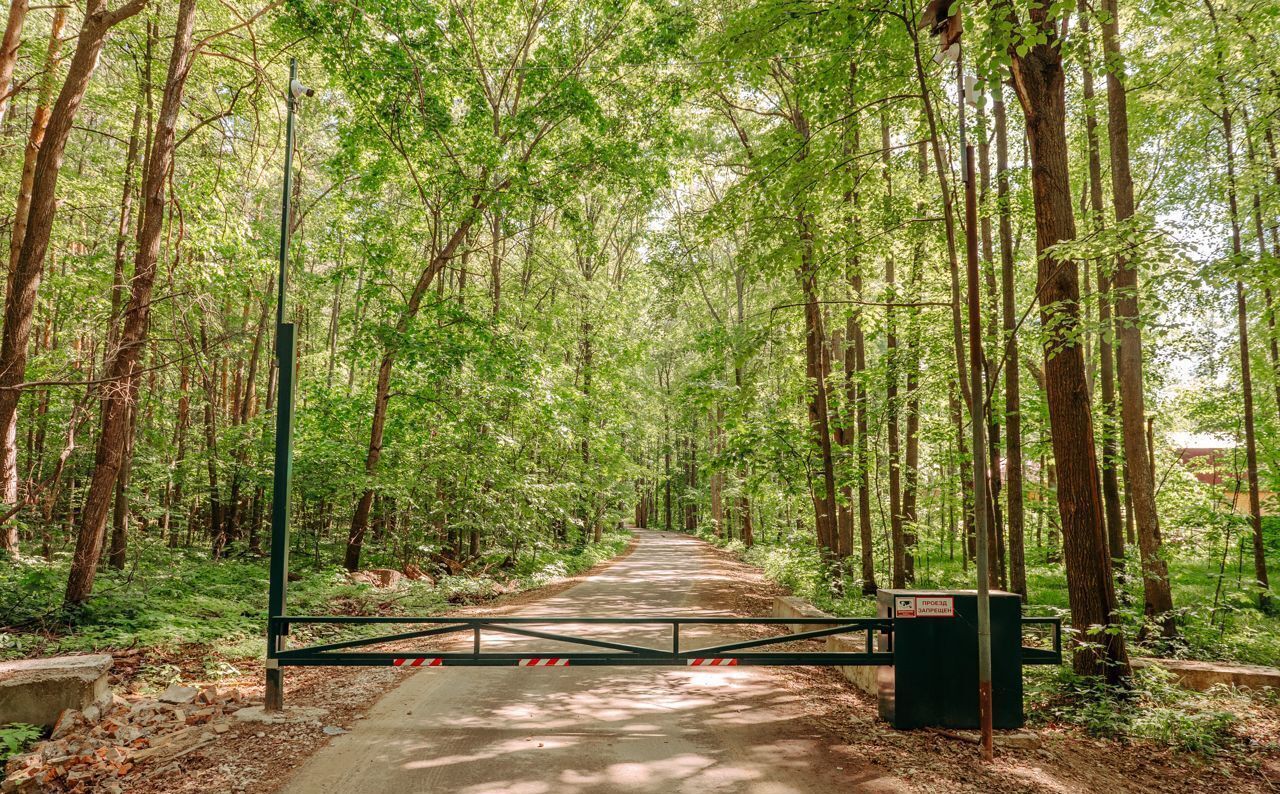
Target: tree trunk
[1157, 597]
[846, 431]
[1110, 479]
[119, 549]
[1038, 79]
[942, 168]
[9, 51]
[862, 450]
[28, 270]
[998, 570]
[899, 577]
[664, 382]
[122, 372]
[39, 123]
[1012, 387]
[1246, 377]
[824, 495]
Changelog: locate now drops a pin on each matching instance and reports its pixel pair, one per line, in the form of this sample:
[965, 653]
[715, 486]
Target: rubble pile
[93, 749]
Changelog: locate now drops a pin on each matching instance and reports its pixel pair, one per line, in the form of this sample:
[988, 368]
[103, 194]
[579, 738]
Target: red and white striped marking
[421, 661]
[713, 662]
[544, 661]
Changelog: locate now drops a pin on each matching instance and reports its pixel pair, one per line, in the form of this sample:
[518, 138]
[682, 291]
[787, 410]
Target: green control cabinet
[933, 681]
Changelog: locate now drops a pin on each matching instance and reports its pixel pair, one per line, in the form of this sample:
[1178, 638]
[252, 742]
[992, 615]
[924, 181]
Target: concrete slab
[36, 691]
[1200, 676]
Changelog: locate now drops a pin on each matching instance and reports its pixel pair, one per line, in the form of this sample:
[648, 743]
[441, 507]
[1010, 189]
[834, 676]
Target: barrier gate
[924, 687]
[878, 633]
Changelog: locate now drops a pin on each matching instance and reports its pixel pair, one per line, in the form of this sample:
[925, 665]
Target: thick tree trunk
[1038, 79]
[122, 372]
[1157, 597]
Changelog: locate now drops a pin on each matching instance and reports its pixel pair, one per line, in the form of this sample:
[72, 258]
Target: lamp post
[286, 357]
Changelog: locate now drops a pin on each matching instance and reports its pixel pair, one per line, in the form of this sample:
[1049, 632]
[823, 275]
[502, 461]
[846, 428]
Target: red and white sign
[544, 662]
[418, 662]
[712, 662]
[935, 606]
[924, 606]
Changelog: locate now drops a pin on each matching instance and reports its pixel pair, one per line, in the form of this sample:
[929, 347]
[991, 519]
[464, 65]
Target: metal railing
[877, 633]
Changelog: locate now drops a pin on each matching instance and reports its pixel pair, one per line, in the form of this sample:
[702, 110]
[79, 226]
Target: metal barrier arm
[804, 635]
[543, 635]
[406, 635]
[324, 655]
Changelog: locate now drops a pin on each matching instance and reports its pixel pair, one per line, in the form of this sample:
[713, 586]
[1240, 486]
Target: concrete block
[1200, 676]
[36, 691]
[863, 677]
[792, 607]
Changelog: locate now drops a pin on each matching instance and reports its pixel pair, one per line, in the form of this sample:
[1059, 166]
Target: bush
[1154, 708]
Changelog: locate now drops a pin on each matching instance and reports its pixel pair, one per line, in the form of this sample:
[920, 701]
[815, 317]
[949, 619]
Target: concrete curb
[863, 677]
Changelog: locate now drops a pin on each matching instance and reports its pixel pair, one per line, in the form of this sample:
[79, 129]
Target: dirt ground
[255, 757]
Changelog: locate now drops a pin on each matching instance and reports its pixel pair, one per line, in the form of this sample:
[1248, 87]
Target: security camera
[299, 90]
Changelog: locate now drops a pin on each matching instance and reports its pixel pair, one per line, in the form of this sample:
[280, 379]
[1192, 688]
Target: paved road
[592, 729]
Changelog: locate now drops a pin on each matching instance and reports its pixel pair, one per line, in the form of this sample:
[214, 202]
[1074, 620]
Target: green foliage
[1152, 708]
[15, 738]
[177, 597]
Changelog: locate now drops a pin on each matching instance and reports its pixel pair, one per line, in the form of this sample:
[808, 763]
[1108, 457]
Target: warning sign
[924, 607]
[935, 607]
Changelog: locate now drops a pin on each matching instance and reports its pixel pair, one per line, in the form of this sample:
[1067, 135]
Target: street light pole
[286, 357]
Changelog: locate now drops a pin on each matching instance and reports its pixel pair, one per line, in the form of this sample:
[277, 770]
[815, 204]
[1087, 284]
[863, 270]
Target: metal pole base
[275, 687]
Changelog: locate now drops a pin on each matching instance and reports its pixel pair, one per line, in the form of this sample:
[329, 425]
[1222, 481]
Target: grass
[175, 597]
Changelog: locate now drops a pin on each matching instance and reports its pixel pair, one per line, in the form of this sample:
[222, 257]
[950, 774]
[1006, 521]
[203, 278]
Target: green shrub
[1153, 708]
[15, 738]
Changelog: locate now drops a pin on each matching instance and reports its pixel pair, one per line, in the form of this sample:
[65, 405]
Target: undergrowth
[174, 597]
[1151, 708]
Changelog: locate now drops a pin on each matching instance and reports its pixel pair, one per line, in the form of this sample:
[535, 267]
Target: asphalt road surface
[476, 730]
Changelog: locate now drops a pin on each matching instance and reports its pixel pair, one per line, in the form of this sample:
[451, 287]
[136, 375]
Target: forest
[563, 267]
